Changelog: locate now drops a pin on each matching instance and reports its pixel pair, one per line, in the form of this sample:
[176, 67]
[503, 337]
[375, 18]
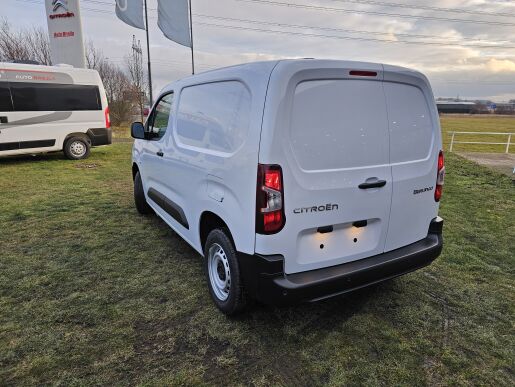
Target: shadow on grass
[261, 338]
[40, 157]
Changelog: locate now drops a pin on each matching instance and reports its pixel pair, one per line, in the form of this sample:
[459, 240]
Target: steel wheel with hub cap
[77, 148]
[223, 274]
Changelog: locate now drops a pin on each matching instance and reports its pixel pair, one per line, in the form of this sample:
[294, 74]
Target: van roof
[32, 67]
[264, 68]
[14, 72]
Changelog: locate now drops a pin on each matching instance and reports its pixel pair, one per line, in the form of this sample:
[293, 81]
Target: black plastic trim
[100, 136]
[170, 207]
[325, 229]
[436, 225]
[266, 281]
[6, 146]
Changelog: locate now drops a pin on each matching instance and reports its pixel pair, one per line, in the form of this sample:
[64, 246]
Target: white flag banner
[131, 12]
[173, 19]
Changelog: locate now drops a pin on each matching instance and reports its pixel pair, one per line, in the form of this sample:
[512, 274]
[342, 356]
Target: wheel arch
[77, 134]
[135, 170]
[210, 221]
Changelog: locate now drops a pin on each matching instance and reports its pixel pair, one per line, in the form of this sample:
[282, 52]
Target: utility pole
[148, 56]
[191, 37]
[137, 73]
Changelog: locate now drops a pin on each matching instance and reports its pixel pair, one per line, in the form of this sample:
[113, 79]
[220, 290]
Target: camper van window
[54, 97]
[5, 99]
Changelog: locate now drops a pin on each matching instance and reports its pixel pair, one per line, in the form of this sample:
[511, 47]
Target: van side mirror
[138, 130]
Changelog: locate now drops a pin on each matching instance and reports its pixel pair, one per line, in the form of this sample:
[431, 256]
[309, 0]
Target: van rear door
[327, 127]
[415, 142]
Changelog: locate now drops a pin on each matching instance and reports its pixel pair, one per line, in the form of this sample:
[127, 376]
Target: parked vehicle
[47, 109]
[297, 180]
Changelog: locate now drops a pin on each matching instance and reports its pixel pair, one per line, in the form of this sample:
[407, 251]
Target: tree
[27, 44]
[116, 84]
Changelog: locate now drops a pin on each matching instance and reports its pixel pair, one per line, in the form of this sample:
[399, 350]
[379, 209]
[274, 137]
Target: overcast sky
[351, 29]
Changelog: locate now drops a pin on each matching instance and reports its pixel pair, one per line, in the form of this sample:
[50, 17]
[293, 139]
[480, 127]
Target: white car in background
[297, 180]
[47, 109]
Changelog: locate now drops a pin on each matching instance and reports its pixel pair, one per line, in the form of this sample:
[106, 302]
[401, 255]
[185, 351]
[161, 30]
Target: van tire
[76, 148]
[236, 298]
[139, 196]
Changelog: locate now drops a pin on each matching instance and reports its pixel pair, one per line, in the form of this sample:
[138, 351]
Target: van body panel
[210, 154]
[27, 126]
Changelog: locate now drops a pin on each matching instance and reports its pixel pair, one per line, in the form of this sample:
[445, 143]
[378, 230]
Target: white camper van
[297, 180]
[47, 109]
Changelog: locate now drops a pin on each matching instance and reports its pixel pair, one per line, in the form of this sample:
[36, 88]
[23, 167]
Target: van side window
[214, 116]
[157, 123]
[54, 97]
[5, 98]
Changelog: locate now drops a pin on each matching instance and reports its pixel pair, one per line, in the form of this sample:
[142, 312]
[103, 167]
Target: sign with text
[65, 30]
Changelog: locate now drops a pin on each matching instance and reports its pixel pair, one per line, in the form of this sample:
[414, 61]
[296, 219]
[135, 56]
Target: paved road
[501, 162]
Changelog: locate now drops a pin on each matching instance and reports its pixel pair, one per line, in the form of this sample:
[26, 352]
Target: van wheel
[223, 273]
[139, 196]
[76, 148]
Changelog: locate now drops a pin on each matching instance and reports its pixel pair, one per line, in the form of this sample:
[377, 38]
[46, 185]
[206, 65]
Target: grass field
[478, 123]
[91, 293]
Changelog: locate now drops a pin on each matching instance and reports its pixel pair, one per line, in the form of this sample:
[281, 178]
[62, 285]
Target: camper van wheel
[76, 148]
[223, 273]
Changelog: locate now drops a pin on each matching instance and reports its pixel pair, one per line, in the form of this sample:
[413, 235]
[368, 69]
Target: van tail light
[270, 216]
[107, 117]
[440, 175]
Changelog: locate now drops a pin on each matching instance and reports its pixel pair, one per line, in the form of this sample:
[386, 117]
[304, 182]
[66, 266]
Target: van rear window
[339, 124]
[54, 97]
[5, 98]
[411, 127]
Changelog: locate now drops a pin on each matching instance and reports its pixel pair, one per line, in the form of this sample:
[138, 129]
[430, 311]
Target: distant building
[505, 108]
[463, 107]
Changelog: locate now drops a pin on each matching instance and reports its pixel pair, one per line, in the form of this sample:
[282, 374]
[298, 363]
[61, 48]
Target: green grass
[121, 132]
[91, 293]
[477, 123]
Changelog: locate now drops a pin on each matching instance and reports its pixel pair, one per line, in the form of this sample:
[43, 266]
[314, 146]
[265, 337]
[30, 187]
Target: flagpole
[148, 56]
[191, 36]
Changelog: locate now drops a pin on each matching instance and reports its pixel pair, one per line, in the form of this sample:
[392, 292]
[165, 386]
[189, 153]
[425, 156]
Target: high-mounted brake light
[362, 73]
[440, 175]
[107, 117]
[270, 216]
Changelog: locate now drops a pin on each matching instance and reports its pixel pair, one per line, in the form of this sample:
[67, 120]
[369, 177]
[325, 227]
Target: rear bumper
[100, 136]
[266, 281]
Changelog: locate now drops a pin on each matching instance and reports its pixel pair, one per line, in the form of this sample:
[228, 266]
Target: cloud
[497, 66]
[452, 62]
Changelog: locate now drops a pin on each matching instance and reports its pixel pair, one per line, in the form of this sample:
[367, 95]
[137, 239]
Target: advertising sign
[65, 30]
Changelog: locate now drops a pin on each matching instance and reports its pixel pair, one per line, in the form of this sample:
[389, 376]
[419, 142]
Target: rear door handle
[4, 120]
[372, 184]
[160, 153]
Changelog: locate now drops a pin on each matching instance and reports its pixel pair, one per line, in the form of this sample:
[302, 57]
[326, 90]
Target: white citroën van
[52, 108]
[297, 180]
